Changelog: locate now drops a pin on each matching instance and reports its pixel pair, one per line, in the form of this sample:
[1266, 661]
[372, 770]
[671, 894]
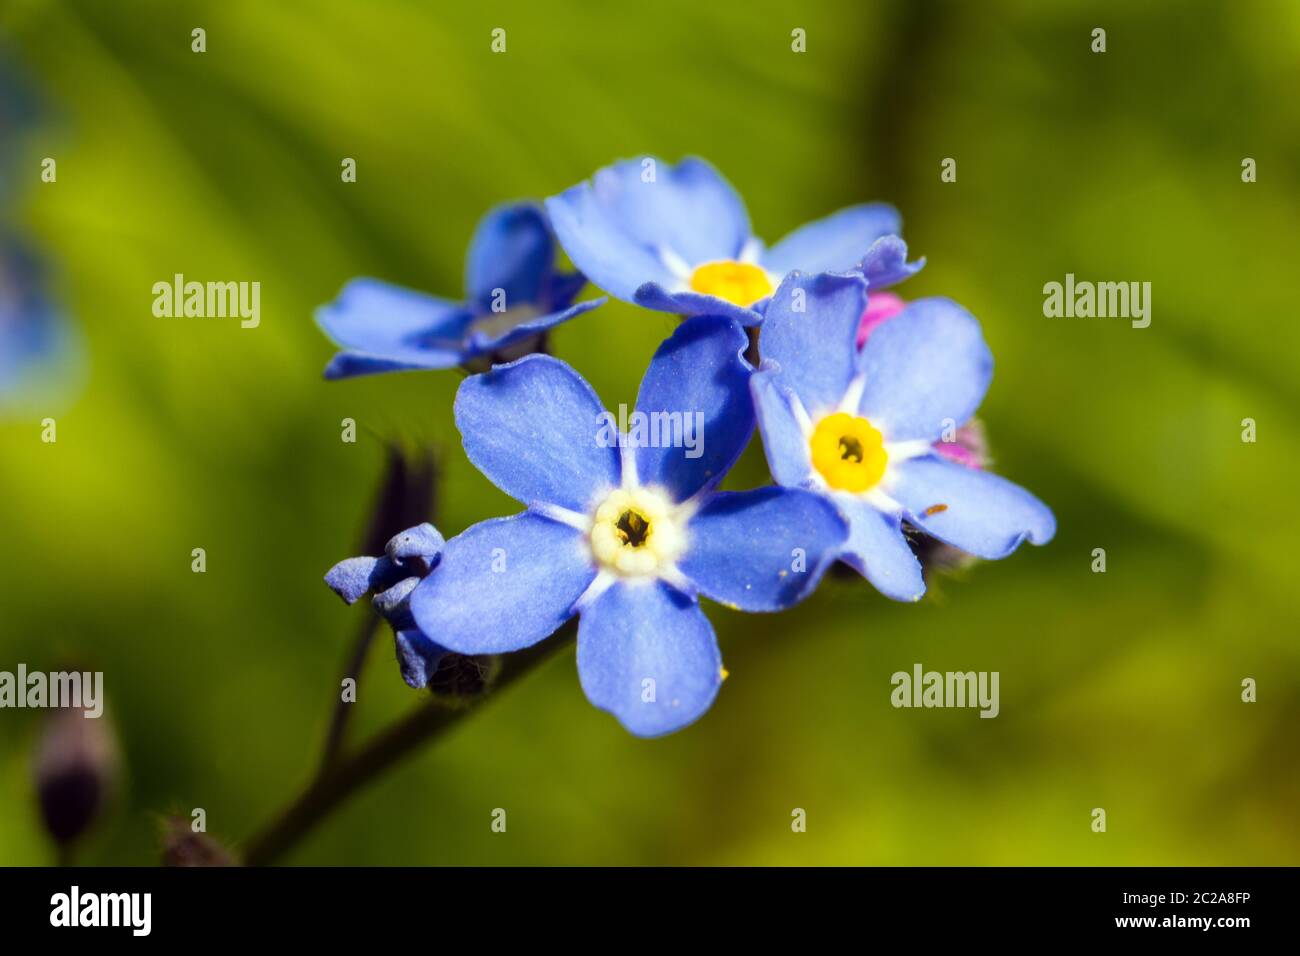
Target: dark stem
[337, 732]
[406, 496]
[349, 773]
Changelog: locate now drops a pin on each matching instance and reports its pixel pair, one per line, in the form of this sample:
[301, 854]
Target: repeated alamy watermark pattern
[922, 688]
[651, 430]
[75, 689]
[1102, 300]
[208, 300]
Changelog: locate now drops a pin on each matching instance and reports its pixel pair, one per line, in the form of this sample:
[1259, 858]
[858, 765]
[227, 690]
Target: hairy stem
[348, 773]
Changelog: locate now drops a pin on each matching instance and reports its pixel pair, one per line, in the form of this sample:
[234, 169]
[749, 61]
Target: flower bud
[76, 770]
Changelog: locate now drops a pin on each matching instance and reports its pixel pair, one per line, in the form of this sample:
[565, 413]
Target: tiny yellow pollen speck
[723, 673]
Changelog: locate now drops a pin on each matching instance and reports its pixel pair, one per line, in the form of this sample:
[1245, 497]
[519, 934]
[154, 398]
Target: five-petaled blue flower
[407, 559]
[858, 427]
[513, 294]
[677, 239]
[626, 532]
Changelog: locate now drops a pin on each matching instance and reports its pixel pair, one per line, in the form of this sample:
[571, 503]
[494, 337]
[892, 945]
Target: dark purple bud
[76, 769]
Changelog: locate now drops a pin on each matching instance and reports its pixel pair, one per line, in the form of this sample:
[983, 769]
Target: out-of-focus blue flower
[624, 526]
[859, 426]
[407, 559]
[512, 295]
[39, 349]
[34, 338]
[678, 239]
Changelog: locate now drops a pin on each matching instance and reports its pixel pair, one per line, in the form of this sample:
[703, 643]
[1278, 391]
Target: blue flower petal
[512, 250]
[417, 656]
[926, 365]
[384, 320]
[351, 578]
[422, 541]
[533, 428]
[609, 257]
[564, 288]
[352, 364]
[974, 510]
[482, 340]
[394, 602]
[762, 550]
[646, 640]
[814, 348]
[878, 551]
[836, 243]
[787, 451]
[698, 377]
[618, 228]
[886, 263]
[688, 208]
[652, 295]
[503, 585]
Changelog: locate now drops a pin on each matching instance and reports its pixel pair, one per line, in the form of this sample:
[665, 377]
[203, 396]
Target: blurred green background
[1119, 690]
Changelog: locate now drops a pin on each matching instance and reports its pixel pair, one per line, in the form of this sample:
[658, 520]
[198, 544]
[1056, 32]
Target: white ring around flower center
[638, 532]
[879, 496]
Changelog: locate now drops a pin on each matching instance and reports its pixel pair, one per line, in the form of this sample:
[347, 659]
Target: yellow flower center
[848, 452]
[635, 533]
[740, 283]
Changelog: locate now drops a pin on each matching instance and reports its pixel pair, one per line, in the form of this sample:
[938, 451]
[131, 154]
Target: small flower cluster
[865, 406]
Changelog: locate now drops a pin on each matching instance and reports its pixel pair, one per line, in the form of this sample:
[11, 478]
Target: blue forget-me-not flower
[625, 530]
[513, 294]
[859, 426]
[678, 239]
